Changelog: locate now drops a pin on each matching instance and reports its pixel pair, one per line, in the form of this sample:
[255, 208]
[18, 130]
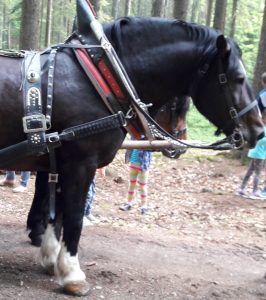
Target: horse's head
[172, 117]
[223, 94]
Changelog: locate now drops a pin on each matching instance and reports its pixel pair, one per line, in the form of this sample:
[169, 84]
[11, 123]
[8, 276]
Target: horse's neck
[162, 72]
[161, 57]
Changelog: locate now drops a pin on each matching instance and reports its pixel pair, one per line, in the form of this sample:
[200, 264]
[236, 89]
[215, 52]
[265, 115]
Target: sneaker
[256, 196]
[19, 189]
[87, 222]
[93, 220]
[144, 210]
[10, 183]
[263, 193]
[242, 193]
[125, 206]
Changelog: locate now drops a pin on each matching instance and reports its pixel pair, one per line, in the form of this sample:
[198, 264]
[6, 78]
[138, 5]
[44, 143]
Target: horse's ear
[222, 45]
[83, 19]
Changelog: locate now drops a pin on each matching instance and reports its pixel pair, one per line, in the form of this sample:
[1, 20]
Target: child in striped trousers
[138, 174]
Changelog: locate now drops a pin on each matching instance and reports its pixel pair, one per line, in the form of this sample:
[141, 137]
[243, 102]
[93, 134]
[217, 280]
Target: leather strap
[34, 122]
[50, 87]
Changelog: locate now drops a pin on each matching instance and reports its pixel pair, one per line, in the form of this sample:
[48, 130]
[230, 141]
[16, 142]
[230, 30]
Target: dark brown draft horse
[164, 59]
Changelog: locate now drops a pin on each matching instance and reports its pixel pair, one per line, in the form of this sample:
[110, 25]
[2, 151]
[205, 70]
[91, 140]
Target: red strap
[89, 64]
[91, 7]
[110, 79]
[104, 86]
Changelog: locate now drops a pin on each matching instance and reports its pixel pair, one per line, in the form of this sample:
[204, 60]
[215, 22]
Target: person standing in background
[10, 180]
[140, 161]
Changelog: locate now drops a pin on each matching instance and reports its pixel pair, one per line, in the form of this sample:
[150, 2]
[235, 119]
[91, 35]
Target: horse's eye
[239, 80]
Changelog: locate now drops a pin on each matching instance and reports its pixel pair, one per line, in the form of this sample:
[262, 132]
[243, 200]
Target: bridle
[173, 118]
[177, 133]
[236, 139]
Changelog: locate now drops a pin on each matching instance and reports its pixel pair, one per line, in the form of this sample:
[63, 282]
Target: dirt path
[199, 241]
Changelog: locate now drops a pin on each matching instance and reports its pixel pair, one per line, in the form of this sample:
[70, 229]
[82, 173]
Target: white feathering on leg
[67, 268]
[50, 248]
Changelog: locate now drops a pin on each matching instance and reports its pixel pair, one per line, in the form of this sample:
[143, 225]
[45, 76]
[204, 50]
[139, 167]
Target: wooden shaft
[150, 145]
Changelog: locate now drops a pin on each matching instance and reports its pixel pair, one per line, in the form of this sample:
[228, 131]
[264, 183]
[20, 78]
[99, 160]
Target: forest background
[36, 24]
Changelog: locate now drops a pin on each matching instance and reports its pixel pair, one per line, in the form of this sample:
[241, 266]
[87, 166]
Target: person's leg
[258, 163]
[9, 179]
[142, 181]
[133, 174]
[90, 198]
[10, 175]
[248, 174]
[24, 179]
[89, 219]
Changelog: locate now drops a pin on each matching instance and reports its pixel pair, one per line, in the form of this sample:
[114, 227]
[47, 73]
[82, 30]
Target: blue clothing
[90, 198]
[261, 98]
[25, 176]
[141, 158]
[259, 152]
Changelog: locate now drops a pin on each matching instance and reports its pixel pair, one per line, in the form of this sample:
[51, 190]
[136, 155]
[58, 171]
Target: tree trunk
[3, 34]
[180, 9]
[158, 8]
[1, 22]
[115, 8]
[209, 12]
[48, 29]
[261, 58]
[41, 34]
[195, 6]
[127, 7]
[139, 8]
[30, 22]
[233, 19]
[219, 15]
[97, 5]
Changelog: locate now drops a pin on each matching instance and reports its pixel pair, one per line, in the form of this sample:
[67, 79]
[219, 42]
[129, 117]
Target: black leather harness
[34, 121]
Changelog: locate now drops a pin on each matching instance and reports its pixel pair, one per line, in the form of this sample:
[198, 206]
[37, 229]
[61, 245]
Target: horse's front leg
[38, 215]
[74, 185]
[50, 245]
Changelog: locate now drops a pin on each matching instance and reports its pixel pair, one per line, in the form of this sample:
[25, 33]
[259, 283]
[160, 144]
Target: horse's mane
[175, 29]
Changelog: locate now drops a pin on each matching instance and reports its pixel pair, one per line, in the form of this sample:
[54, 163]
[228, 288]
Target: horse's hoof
[36, 240]
[77, 289]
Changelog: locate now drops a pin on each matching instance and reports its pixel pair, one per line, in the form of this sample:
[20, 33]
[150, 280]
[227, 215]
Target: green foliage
[248, 27]
[106, 11]
[199, 128]
[13, 10]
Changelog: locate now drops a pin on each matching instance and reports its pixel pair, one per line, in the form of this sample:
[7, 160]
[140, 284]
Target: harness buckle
[53, 139]
[53, 177]
[233, 113]
[122, 118]
[237, 139]
[131, 114]
[34, 123]
[222, 78]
